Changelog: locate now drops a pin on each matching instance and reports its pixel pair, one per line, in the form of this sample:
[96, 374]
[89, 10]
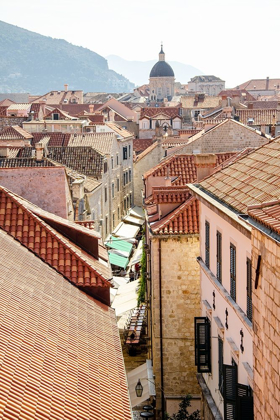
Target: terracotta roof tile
[139, 145]
[101, 142]
[56, 139]
[32, 227]
[23, 162]
[63, 360]
[259, 116]
[183, 220]
[14, 132]
[170, 112]
[258, 177]
[268, 214]
[174, 194]
[181, 166]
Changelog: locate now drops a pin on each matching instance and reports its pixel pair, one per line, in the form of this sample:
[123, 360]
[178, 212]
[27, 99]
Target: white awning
[137, 254]
[126, 231]
[145, 374]
[126, 298]
[133, 220]
[137, 211]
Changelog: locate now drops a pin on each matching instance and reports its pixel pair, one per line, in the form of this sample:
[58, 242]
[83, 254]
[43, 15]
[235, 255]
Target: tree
[183, 413]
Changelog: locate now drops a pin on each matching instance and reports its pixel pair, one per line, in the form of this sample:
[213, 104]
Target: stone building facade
[162, 80]
[211, 85]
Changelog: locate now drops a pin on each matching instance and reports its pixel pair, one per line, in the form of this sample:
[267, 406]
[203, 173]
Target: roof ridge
[7, 225]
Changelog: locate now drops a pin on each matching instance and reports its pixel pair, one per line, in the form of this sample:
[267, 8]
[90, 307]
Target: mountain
[37, 64]
[139, 71]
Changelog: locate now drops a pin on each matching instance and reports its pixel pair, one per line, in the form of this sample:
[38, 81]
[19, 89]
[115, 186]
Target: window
[113, 220]
[233, 272]
[112, 162]
[219, 256]
[124, 178]
[202, 329]
[125, 153]
[105, 194]
[207, 244]
[221, 362]
[129, 151]
[130, 200]
[55, 116]
[124, 204]
[238, 398]
[118, 184]
[117, 159]
[249, 288]
[113, 190]
[129, 175]
[105, 167]
[106, 225]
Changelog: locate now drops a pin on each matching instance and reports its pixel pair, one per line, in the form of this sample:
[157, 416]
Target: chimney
[66, 87]
[78, 191]
[205, 164]
[91, 109]
[267, 83]
[250, 105]
[39, 151]
[43, 107]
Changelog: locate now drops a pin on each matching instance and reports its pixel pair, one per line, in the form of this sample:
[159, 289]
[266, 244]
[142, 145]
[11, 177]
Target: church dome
[162, 69]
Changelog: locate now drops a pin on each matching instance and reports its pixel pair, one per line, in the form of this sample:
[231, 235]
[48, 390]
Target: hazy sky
[235, 40]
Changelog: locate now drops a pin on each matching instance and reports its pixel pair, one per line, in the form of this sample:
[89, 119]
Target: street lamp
[139, 389]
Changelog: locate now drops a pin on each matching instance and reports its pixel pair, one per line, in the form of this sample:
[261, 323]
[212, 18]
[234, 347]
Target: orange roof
[253, 179]
[173, 194]
[183, 220]
[63, 360]
[139, 145]
[14, 132]
[181, 166]
[268, 214]
[170, 112]
[46, 236]
[260, 116]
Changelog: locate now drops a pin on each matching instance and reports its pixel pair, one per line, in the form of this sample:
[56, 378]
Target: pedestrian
[131, 275]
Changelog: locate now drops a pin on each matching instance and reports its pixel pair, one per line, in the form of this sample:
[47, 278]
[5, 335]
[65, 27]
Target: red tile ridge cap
[171, 216]
[56, 236]
[263, 205]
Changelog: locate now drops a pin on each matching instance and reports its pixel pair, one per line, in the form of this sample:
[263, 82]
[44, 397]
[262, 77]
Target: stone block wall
[180, 304]
[266, 325]
[7, 121]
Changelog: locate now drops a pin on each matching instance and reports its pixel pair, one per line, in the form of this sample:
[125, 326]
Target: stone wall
[266, 325]
[7, 121]
[180, 304]
[228, 137]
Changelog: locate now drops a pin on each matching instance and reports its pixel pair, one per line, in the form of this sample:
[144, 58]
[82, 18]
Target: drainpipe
[160, 330]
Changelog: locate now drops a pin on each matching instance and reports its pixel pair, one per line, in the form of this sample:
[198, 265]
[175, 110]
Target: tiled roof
[63, 115]
[183, 220]
[260, 84]
[25, 222]
[60, 350]
[146, 152]
[56, 139]
[3, 111]
[14, 132]
[120, 131]
[101, 142]
[253, 179]
[181, 166]
[18, 107]
[171, 194]
[268, 214]
[85, 160]
[264, 104]
[242, 93]
[139, 145]
[260, 116]
[120, 108]
[23, 162]
[170, 112]
[205, 79]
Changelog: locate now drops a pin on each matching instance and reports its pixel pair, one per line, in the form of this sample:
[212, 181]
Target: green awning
[118, 260]
[120, 245]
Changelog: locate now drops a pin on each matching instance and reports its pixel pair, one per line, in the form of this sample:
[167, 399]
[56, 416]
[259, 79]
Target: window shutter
[230, 382]
[207, 244]
[219, 256]
[233, 272]
[202, 344]
[249, 289]
[245, 407]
